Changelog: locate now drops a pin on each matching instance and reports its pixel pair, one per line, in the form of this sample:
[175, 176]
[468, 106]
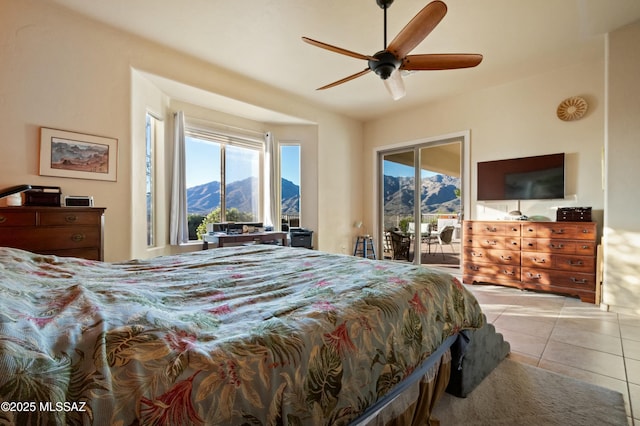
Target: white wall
[622, 226]
[65, 71]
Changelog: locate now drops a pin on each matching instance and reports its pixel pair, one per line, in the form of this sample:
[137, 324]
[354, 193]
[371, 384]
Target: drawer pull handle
[576, 263]
[534, 276]
[556, 246]
[77, 237]
[3, 219]
[474, 254]
[557, 231]
[71, 218]
[514, 243]
[536, 260]
[492, 243]
[585, 231]
[506, 257]
[494, 229]
[577, 281]
[474, 267]
[586, 247]
[508, 272]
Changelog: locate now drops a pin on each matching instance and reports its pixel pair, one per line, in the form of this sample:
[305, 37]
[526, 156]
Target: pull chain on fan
[395, 57]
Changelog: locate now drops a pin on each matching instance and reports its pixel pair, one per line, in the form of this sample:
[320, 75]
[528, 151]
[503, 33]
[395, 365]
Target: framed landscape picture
[77, 155]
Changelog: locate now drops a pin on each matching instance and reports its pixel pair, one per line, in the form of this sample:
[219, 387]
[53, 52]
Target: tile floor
[564, 335]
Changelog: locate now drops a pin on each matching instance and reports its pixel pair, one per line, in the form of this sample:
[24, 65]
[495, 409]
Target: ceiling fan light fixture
[395, 86]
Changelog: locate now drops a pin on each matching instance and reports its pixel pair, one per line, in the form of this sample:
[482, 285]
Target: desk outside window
[257, 237]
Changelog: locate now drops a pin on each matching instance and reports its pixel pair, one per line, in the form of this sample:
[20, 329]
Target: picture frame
[77, 155]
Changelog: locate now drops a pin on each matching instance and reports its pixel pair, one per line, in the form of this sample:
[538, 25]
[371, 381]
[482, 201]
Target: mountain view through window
[223, 183]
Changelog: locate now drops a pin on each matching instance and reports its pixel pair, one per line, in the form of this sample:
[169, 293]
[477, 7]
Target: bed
[255, 335]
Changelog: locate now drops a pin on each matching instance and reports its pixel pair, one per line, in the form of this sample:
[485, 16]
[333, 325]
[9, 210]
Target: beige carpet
[519, 394]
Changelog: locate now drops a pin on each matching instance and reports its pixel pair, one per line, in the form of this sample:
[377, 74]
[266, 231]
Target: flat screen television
[528, 178]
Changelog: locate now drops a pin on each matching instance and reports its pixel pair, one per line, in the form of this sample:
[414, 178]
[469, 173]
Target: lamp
[18, 189]
[359, 226]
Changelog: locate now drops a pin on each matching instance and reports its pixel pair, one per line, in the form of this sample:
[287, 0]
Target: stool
[364, 247]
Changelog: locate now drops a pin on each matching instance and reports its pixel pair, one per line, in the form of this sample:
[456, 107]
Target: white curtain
[271, 211]
[179, 230]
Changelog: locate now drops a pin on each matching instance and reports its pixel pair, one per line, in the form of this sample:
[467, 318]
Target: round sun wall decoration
[572, 108]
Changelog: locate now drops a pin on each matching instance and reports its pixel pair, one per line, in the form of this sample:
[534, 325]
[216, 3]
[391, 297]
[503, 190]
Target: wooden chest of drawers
[558, 257]
[63, 231]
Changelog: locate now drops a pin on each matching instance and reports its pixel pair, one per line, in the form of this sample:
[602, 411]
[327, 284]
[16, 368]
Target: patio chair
[445, 236]
[401, 244]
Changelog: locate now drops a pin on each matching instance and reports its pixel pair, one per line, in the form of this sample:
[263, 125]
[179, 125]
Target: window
[223, 179]
[290, 184]
[150, 140]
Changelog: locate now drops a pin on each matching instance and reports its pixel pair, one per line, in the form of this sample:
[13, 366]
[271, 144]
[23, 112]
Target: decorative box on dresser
[558, 257]
[62, 231]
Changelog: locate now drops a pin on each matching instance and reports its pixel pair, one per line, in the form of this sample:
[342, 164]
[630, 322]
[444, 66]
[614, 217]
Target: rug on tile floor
[520, 394]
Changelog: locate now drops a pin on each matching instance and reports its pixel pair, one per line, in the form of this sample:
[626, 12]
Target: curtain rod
[224, 126]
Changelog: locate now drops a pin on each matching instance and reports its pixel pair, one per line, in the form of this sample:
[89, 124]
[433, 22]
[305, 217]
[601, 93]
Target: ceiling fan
[395, 57]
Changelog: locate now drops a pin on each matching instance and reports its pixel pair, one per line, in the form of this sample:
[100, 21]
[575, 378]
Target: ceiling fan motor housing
[385, 64]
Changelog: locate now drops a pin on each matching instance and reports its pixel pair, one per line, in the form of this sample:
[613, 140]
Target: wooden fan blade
[440, 61]
[344, 80]
[417, 29]
[338, 49]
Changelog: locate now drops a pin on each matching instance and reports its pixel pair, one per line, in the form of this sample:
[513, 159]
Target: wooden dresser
[557, 257]
[63, 231]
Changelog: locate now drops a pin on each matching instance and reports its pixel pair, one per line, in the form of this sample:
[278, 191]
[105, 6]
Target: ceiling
[261, 39]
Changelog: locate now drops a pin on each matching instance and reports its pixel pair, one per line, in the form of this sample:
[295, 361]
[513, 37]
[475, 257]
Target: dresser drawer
[493, 228]
[69, 217]
[585, 264]
[558, 261]
[571, 231]
[550, 245]
[559, 278]
[492, 242]
[58, 238]
[480, 255]
[10, 218]
[491, 272]
[537, 259]
[85, 253]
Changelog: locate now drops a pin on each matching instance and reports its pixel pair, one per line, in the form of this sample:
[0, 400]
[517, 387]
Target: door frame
[463, 137]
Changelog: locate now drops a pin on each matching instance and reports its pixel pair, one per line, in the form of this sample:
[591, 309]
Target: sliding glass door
[397, 200]
[419, 198]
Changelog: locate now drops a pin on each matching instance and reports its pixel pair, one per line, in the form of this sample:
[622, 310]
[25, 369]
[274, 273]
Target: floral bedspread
[256, 335]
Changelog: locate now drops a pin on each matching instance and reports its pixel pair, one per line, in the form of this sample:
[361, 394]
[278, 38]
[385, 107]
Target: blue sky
[396, 170]
[290, 163]
[204, 163]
